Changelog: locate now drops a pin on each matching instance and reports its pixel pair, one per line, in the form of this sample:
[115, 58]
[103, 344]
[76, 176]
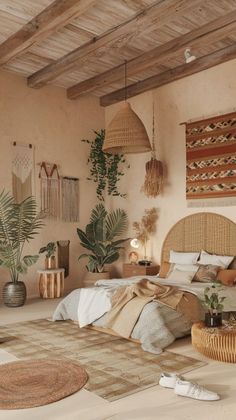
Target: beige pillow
[206, 273]
[181, 277]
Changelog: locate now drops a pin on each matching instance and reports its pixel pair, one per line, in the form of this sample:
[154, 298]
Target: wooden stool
[51, 283]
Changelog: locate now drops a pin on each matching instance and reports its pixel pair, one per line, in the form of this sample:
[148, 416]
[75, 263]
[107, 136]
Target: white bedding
[158, 325]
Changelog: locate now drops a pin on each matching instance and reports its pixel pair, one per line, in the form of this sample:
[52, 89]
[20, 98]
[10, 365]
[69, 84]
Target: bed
[158, 325]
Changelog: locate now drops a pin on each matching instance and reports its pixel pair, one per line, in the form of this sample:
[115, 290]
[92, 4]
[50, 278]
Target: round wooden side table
[51, 283]
[215, 343]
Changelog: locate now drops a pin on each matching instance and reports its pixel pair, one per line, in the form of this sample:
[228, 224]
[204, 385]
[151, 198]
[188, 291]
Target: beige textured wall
[55, 126]
[205, 94]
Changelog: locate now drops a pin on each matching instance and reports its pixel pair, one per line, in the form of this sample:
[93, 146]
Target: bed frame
[209, 231]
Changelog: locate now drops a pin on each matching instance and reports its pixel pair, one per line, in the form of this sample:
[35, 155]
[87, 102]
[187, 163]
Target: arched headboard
[209, 231]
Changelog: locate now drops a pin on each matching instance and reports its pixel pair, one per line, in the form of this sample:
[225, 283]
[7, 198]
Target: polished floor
[153, 403]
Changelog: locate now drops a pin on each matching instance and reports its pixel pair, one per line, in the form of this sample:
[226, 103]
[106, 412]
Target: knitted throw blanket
[128, 302]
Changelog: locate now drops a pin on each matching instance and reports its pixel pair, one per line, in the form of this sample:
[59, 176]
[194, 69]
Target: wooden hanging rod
[208, 117]
[23, 145]
[70, 178]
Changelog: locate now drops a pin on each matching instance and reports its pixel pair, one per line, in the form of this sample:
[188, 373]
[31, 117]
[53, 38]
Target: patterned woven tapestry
[211, 161]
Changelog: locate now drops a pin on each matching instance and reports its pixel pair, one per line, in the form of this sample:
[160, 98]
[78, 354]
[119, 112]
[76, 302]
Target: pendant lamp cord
[153, 133]
[125, 80]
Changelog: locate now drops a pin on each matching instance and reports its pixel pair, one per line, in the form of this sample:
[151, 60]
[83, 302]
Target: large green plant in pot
[19, 223]
[99, 237]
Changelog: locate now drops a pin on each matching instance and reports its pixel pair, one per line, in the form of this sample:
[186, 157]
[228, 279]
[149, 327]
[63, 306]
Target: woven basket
[126, 133]
[215, 343]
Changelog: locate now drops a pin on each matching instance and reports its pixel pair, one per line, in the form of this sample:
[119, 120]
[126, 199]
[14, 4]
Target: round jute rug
[31, 383]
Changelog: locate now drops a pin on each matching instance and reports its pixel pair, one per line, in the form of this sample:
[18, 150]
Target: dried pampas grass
[154, 178]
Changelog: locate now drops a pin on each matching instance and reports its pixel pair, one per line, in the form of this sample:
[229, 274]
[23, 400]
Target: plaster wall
[211, 92]
[55, 126]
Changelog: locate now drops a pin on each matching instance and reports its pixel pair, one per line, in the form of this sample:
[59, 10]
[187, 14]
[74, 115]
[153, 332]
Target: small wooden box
[130, 270]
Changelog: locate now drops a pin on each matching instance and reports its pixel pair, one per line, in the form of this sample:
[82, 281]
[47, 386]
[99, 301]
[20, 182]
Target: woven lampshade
[126, 133]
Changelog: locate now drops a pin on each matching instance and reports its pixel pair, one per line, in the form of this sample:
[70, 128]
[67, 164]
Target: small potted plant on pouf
[50, 259]
[19, 223]
[213, 302]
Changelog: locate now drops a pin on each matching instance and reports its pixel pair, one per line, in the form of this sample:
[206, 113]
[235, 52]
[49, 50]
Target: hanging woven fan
[154, 171]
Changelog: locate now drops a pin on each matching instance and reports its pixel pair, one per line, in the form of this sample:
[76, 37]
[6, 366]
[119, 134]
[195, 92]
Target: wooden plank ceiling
[81, 45]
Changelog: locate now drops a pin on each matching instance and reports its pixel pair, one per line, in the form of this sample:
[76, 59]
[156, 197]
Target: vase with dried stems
[145, 229]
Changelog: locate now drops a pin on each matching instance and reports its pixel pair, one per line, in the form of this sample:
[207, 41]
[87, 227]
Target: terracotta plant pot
[14, 294]
[50, 262]
[213, 320]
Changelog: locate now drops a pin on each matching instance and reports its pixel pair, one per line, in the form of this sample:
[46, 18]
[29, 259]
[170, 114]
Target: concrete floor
[152, 403]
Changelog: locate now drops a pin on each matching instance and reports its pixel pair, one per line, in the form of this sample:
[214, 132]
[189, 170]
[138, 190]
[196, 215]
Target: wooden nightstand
[130, 270]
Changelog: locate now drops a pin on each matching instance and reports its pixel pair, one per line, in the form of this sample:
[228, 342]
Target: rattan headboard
[209, 231]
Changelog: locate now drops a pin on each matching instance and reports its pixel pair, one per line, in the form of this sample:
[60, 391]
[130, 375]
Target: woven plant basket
[126, 133]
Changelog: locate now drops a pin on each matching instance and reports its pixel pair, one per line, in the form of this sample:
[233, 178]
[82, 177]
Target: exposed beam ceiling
[211, 32]
[203, 63]
[159, 13]
[55, 16]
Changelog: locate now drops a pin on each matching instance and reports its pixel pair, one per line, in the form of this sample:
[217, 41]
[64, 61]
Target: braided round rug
[31, 383]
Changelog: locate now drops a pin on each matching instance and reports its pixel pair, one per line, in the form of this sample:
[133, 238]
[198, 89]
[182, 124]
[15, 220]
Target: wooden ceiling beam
[157, 14]
[184, 70]
[208, 33]
[55, 16]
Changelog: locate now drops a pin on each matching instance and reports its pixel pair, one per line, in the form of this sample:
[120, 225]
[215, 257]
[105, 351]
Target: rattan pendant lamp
[126, 132]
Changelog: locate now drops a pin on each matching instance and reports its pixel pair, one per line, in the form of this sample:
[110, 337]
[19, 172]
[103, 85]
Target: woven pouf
[215, 343]
[32, 383]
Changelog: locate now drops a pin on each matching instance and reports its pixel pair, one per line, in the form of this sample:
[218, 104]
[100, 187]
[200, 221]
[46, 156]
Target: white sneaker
[168, 380]
[191, 390]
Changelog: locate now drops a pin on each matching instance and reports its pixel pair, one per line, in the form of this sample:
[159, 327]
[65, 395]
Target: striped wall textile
[211, 161]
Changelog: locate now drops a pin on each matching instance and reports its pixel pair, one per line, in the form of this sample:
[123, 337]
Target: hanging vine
[105, 168]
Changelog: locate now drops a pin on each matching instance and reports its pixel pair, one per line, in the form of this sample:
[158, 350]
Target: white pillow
[183, 257]
[212, 259]
[181, 277]
[186, 267]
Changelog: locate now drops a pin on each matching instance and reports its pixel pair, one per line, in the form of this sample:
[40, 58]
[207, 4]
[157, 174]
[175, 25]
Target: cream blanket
[128, 302]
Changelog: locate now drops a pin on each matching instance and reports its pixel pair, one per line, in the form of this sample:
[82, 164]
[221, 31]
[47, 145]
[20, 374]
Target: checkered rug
[116, 367]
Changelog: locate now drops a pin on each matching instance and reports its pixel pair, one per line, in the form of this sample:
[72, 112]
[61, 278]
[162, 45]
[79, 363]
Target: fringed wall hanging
[63, 255]
[50, 189]
[211, 161]
[22, 171]
[154, 170]
[70, 199]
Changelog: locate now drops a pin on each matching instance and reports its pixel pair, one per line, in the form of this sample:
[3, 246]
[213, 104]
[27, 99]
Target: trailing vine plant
[105, 168]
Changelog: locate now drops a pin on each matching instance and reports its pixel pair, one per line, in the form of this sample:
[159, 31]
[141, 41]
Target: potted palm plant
[99, 238]
[50, 259]
[213, 302]
[19, 223]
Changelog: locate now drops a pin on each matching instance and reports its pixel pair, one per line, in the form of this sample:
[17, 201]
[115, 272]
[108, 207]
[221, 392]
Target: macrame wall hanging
[63, 255]
[70, 199]
[50, 189]
[154, 170]
[22, 171]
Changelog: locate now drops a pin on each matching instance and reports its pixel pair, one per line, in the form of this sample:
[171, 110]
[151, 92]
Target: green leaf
[30, 260]
[84, 239]
[116, 224]
[21, 268]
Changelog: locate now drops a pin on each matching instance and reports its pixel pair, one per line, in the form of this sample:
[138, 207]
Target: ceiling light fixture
[188, 56]
[126, 132]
